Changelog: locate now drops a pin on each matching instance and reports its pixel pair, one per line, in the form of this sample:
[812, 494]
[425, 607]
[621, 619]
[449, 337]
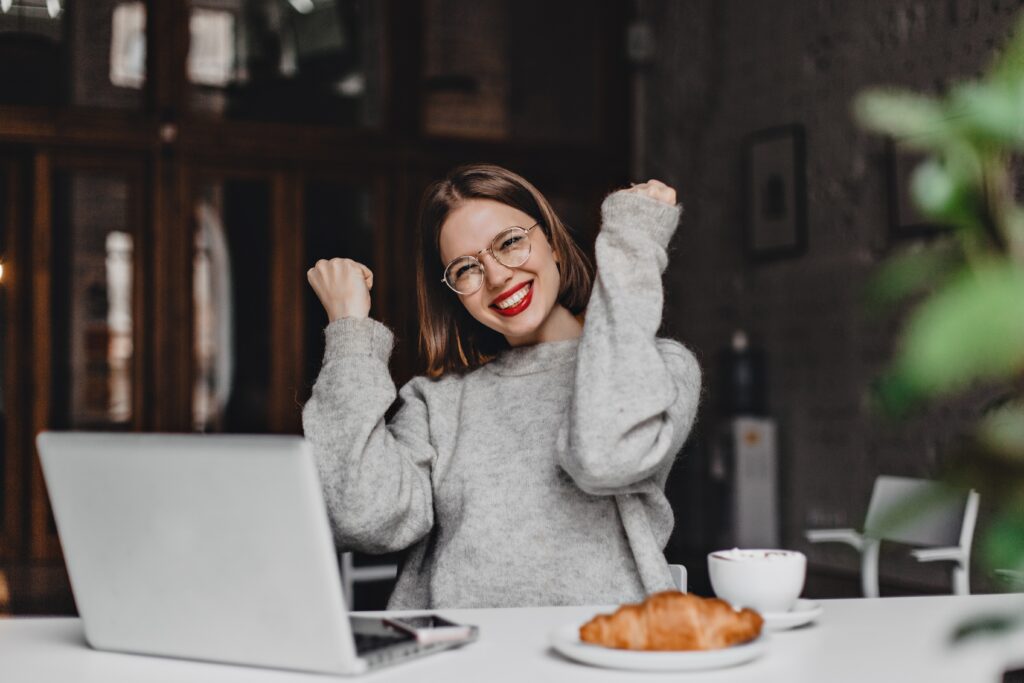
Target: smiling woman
[530, 468]
[470, 209]
[478, 206]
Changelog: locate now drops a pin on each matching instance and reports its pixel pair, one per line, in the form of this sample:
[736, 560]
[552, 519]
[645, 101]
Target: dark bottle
[743, 378]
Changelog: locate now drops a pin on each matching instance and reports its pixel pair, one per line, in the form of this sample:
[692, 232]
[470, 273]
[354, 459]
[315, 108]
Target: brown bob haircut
[450, 338]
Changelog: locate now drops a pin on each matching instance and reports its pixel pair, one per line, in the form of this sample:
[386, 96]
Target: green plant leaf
[1004, 539]
[948, 193]
[973, 328]
[942, 195]
[912, 271]
[934, 191]
[1001, 431]
[893, 396]
[917, 121]
[991, 112]
[989, 625]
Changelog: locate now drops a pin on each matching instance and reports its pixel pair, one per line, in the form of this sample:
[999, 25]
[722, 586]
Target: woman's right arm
[375, 476]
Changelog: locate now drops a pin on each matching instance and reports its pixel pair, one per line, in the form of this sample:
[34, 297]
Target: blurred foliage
[966, 325]
[988, 625]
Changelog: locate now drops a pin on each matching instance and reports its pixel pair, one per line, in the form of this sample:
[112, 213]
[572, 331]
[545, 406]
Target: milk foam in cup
[768, 581]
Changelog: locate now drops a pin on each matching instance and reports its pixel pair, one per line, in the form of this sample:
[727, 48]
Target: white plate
[803, 612]
[566, 640]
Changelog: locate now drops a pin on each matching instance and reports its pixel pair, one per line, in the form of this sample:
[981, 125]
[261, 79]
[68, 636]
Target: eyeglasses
[511, 248]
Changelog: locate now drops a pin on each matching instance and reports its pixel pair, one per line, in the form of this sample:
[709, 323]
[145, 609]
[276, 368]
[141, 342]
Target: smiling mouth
[516, 302]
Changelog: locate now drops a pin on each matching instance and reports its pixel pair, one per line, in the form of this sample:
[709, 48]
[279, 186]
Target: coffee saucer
[803, 612]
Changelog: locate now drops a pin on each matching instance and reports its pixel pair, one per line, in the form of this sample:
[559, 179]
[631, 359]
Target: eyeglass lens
[511, 248]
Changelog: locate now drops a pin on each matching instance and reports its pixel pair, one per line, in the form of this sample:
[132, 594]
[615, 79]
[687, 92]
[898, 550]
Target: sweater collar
[526, 360]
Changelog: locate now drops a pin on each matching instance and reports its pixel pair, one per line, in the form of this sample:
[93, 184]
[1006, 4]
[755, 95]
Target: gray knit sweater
[537, 479]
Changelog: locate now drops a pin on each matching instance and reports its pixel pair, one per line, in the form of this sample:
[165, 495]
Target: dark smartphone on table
[431, 628]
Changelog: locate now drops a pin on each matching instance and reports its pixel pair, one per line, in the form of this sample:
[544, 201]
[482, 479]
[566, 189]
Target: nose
[496, 274]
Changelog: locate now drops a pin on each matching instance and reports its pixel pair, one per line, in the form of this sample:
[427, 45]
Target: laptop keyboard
[372, 634]
[368, 643]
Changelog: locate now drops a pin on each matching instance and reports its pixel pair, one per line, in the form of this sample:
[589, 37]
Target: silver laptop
[209, 547]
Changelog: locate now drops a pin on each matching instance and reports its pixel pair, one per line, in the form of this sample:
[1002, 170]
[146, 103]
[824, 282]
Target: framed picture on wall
[775, 192]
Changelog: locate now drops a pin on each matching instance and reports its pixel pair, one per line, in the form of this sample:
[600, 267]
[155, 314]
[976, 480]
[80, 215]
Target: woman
[529, 468]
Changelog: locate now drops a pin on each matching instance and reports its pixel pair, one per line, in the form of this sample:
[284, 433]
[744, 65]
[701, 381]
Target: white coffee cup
[768, 581]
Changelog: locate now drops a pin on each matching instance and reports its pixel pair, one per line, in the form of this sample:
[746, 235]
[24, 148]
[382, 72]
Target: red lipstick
[518, 308]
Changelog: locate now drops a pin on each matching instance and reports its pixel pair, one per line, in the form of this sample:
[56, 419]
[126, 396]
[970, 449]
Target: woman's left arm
[635, 396]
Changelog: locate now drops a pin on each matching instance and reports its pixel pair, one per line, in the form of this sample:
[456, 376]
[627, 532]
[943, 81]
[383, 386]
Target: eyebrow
[476, 254]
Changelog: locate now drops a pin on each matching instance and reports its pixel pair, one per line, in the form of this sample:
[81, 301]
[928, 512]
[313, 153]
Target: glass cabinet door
[231, 299]
[106, 37]
[289, 61]
[93, 295]
[85, 311]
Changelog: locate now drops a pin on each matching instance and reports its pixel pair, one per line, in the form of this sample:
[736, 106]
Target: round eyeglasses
[510, 248]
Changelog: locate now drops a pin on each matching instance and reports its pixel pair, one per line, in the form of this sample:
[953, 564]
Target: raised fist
[656, 190]
[343, 287]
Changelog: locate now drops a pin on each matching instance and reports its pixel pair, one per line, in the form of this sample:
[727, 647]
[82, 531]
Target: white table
[887, 639]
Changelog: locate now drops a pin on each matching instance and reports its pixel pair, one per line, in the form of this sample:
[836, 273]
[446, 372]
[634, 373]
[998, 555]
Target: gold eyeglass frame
[490, 250]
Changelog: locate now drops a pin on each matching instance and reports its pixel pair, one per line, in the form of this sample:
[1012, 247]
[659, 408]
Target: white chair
[678, 572]
[351, 575]
[944, 526]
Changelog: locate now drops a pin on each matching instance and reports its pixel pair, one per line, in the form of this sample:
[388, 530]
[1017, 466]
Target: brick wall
[725, 68]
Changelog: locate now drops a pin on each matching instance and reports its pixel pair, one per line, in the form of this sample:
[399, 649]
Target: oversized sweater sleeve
[636, 395]
[375, 476]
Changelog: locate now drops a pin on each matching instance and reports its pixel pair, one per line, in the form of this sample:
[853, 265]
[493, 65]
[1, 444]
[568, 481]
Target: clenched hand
[343, 287]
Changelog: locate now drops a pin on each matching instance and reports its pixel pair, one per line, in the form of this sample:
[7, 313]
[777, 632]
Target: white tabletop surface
[886, 639]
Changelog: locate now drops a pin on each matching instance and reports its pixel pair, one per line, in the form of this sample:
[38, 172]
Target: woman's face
[470, 228]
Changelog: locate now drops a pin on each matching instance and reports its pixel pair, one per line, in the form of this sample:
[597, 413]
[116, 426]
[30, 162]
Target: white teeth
[515, 298]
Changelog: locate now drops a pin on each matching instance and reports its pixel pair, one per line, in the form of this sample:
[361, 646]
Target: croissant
[673, 621]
